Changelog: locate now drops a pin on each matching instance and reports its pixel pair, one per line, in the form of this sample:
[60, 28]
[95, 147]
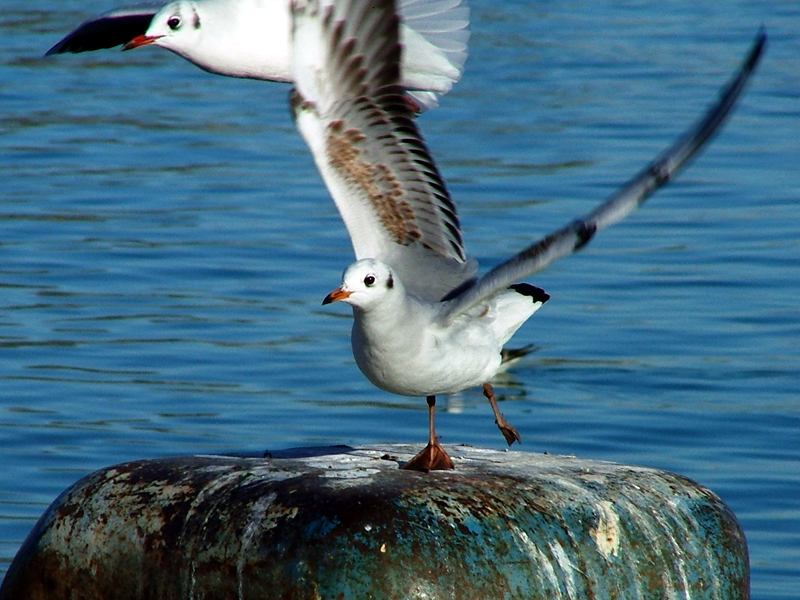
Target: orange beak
[335, 296]
[140, 40]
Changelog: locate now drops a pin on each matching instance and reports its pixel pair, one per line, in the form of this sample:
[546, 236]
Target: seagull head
[175, 27]
[365, 283]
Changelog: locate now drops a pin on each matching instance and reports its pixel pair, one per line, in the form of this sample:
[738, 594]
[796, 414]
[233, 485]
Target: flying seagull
[424, 325]
[251, 38]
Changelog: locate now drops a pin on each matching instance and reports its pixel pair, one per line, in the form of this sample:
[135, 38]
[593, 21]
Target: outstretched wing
[359, 125]
[113, 28]
[577, 234]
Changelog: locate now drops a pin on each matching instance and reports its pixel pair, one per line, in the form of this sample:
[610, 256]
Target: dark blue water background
[165, 243]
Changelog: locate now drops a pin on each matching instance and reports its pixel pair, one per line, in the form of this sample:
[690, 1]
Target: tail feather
[516, 305]
[511, 356]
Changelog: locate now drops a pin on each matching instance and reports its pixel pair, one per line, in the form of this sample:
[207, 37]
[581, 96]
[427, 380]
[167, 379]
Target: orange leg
[509, 431]
[433, 457]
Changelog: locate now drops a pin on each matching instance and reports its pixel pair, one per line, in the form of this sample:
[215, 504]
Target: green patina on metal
[347, 523]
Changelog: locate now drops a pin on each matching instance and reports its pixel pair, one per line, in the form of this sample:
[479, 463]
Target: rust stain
[379, 182]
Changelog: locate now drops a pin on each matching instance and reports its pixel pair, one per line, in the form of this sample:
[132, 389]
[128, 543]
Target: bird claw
[432, 458]
[509, 432]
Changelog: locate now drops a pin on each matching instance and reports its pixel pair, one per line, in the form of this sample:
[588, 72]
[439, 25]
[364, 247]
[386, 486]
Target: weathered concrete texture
[347, 523]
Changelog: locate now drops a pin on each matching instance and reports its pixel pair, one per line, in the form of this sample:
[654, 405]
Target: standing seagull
[251, 38]
[423, 325]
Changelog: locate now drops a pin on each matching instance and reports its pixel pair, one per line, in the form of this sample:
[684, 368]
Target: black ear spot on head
[390, 282]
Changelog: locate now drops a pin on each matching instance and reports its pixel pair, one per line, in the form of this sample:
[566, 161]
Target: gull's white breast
[413, 356]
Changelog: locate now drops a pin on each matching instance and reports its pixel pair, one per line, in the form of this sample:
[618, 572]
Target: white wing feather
[434, 35]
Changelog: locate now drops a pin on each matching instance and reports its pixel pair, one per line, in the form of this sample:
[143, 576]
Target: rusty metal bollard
[345, 522]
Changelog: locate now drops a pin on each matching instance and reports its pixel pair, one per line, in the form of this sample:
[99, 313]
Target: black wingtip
[61, 47]
[106, 31]
[536, 294]
[759, 45]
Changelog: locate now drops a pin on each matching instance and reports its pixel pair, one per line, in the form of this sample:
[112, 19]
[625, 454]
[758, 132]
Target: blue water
[165, 244]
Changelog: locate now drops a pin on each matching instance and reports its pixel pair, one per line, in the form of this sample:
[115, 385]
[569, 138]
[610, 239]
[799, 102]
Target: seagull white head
[176, 27]
[364, 284]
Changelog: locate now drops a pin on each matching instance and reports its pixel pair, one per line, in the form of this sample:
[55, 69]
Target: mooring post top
[347, 522]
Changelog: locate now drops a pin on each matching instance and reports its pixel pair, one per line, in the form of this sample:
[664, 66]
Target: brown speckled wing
[361, 128]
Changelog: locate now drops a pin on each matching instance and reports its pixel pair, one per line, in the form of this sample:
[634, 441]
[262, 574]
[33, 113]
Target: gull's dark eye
[369, 280]
[174, 23]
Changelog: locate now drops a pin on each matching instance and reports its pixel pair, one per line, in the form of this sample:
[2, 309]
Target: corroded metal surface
[347, 523]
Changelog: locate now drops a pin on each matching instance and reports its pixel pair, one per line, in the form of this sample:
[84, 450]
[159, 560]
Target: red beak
[140, 40]
[336, 295]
